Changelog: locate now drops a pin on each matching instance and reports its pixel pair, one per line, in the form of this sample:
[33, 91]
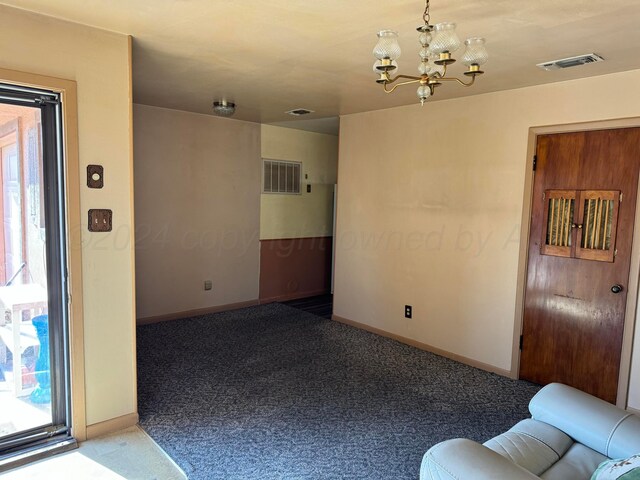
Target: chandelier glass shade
[437, 44]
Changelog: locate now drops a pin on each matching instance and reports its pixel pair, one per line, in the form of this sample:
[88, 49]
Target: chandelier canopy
[437, 43]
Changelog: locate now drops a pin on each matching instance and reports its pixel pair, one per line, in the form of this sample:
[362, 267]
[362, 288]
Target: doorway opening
[34, 360]
[298, 214]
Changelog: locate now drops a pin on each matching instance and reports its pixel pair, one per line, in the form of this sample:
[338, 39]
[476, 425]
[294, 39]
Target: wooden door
[584, 199]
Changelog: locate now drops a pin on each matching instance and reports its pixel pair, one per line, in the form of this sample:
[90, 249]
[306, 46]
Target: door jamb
[634, 271]
[68, 91]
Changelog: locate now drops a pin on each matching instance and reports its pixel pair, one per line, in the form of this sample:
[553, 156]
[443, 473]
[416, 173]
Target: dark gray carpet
[272, 392]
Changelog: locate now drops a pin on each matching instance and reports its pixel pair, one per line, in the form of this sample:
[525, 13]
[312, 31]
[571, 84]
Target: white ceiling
[328, 125]
[276, 55]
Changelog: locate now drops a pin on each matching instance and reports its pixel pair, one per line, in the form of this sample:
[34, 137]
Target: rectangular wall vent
[281, 177]
[571, 62]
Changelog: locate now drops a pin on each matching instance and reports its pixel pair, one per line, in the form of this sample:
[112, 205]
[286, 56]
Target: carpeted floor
[272, 392]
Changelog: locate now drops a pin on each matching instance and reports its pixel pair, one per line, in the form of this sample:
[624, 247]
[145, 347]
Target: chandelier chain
[426, 16]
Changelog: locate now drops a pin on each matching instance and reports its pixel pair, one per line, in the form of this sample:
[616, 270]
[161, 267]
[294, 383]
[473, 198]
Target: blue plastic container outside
[42, 392]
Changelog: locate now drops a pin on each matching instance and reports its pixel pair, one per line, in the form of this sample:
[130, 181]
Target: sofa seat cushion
[464, 459]
[533, 445]
[578, 463]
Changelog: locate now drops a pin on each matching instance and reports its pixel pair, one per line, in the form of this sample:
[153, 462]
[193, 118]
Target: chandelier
[437, 43]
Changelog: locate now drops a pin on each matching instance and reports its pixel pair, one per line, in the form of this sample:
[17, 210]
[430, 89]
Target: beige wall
[197, 180]
[99, 62]
[430, 206]
[308, 214]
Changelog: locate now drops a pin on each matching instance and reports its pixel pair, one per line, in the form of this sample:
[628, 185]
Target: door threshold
[38, 452]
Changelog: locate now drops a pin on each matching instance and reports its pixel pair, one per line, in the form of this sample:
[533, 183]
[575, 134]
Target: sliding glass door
[34, 380]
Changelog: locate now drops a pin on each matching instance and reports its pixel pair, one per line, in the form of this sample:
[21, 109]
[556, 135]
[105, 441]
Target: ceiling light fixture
[224, 108]
[437, 43]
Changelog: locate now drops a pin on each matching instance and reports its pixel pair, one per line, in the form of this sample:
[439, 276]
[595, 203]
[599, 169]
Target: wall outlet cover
[100, 220]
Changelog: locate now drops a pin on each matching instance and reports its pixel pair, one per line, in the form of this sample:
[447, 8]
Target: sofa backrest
[595, 423]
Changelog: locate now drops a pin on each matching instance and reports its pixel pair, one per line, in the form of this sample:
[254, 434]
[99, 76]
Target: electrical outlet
[208, 285]
[100, 220]
[408, 311]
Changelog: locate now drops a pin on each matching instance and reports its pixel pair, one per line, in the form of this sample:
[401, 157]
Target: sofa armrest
[595, 423]
[463, 459]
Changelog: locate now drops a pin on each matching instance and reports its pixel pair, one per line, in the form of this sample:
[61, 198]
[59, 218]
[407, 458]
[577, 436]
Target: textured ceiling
[276, 55]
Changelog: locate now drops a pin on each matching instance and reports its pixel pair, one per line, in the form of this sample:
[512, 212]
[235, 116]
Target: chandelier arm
[454, 79]
[439, 75]
[415, 80]
[409, 77]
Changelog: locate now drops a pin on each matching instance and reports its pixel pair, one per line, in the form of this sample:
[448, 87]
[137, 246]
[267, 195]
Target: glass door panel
[25, 391]
[34, 360]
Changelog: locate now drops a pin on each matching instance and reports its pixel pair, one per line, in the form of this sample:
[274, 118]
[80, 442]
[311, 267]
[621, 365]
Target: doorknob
[616, 288]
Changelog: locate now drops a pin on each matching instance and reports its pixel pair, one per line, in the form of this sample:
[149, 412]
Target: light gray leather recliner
[570, 434]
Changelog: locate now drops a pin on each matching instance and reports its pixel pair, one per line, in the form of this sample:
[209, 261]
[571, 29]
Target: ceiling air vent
[571, 62]
[299, 112]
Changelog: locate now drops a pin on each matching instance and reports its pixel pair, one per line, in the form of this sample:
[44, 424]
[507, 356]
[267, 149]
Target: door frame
[68, 91]
[525, 224]
[12, 131]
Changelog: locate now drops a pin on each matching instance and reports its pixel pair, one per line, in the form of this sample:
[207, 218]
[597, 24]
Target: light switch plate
[95, 176]
[100, 220]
